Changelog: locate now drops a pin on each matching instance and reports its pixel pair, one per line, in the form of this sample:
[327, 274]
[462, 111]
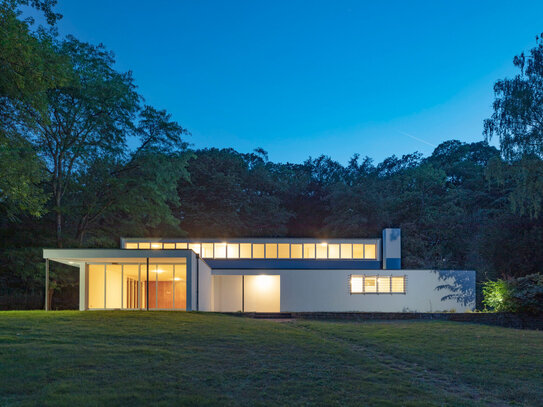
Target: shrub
[497, 295]
[523, 294]
[527, 294]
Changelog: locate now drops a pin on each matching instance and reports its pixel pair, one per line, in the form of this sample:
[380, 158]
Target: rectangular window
[370, 284]
[398, 284]
[130, 245]
[295, 251]
[130, 286]
[369, 251]
[346, 251]
[195, 247]
[258, 251]
[245, 250]
[357, 285]
[309, 251]
[383, 284]
[180, 286]
[181, 245]
[145, 245]
[271, 251]
[333, 251]
[156, 245]
[358, 251]
[207, 250]
[220, 250]
[377, 284]
[283, 251]
[114, 282]
[233, 250]
[322, 251]
[96, 288]
[169, 246]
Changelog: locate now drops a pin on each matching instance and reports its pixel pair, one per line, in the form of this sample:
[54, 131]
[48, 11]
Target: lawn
[174, 358]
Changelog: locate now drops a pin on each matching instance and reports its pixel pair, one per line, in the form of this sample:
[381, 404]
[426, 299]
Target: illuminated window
[309, 251]
[130, 245]
[233, 251]
[195, 247]
[398, 284]
[96, 281]
[271, 251]
[357, 284]
[207, 250]
[383, 284]
[295, 251]
[169, 246]
[258, 251]
[283, 250]
[156, 245]
[114, 282]
[346, 251]
[145, 245]
[377, 285]
[333, 251]
[245, 250]
[369, 251]
[181, 245]
[370, 284]
[220, 250]
[358, 251]
[322, 251]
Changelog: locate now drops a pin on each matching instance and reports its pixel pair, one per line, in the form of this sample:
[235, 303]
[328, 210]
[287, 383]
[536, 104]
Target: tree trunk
[50, 297]
[58, 220]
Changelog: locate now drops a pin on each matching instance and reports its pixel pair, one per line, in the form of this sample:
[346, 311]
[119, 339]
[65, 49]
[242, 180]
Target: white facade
[264, 275]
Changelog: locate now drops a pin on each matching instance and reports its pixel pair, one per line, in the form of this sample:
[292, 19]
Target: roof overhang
[76, 257]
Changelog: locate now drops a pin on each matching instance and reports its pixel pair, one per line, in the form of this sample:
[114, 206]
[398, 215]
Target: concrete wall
[205, 282]
[328, 290]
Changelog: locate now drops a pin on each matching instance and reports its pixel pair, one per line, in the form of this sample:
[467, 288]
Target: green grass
[176, 358]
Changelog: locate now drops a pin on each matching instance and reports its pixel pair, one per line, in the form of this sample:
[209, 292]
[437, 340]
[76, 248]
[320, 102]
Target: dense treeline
[83, 161]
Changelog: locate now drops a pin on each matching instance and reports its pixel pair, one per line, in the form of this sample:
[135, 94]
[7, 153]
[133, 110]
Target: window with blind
[363, 284]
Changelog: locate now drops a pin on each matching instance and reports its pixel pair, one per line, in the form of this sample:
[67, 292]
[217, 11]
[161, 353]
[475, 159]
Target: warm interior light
[177, 278]
[263, 281]
[156, 245]
[324, 244]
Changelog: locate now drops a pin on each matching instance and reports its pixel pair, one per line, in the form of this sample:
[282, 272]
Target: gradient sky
[304, 78]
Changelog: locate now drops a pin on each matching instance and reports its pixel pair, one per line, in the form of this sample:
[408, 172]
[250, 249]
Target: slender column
[243, 292]
[47, 284]
[147, 286]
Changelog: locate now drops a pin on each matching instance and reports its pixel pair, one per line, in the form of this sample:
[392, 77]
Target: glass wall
[125, 286]
[223, 250]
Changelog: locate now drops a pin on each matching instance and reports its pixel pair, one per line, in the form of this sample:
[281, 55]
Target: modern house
[262, 275]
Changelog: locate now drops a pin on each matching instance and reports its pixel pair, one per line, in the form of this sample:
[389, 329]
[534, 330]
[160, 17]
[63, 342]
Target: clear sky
[304, 78]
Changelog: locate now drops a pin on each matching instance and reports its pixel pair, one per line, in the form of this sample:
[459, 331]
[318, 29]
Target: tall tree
[137, 187]
[29, 67]
[517, 121]
[88, 117]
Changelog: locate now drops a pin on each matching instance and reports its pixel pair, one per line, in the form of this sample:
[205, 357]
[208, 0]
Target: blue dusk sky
[305, 78]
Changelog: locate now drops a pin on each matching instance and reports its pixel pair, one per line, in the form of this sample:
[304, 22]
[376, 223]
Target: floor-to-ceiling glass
[129, 286]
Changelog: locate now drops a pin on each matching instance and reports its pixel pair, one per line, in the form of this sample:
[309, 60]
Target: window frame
[377, 276]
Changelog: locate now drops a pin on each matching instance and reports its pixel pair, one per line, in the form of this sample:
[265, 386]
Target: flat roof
[77, 256]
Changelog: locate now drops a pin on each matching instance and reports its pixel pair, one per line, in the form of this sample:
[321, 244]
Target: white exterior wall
[205, 282]
[227, 293]
[83, 286]
[328, 290]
